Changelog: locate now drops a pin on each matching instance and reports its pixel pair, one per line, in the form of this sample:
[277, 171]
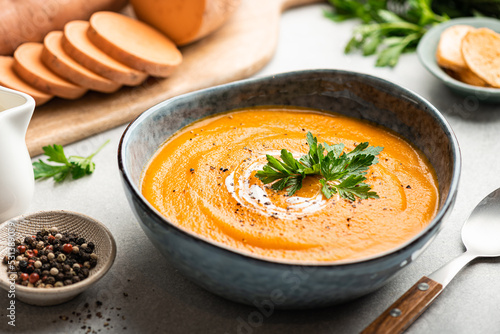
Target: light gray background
[160, 300]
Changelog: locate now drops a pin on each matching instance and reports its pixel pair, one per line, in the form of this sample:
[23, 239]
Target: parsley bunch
[342, 173]
[389, 27]
[75, 165]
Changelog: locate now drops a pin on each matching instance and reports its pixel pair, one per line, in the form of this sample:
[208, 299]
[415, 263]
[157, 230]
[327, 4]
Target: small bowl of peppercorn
[49, 257]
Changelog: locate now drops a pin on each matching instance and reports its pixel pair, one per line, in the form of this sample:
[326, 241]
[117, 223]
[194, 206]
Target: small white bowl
[65, 221]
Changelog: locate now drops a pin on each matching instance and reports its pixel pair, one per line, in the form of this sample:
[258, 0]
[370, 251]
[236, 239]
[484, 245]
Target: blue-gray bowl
[256, 281]
[427, 48]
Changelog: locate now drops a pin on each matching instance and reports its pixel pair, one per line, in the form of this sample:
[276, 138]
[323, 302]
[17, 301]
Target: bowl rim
[414, 97]
[427, 48]
[80, 286]
[28, 103]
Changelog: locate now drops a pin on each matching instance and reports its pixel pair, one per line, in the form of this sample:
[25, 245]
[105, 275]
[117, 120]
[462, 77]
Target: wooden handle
[400, 315]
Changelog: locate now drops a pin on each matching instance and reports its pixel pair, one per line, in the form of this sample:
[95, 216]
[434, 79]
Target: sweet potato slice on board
[55, 58]
[29, 66]
[78, 46]
[481, 52]
[10, 79]
[134, 43]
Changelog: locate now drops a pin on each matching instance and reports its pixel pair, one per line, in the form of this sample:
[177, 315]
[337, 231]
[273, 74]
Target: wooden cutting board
[236, 51]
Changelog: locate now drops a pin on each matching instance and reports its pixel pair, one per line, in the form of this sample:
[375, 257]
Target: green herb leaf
[388, 17]
[74, 165]
[353, 187]
[44, 170]
[326, 189]
[55, 153]
[390, 55]
[343, 173]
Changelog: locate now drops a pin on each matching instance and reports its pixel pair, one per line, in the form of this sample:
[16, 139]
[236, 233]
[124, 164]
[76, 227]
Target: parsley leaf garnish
[342, 173]
[75, 165]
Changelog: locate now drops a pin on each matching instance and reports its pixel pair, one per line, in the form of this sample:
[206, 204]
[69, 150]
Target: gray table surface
[143, 294]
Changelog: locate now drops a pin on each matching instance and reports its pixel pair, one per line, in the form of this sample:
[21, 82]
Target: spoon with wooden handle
[480, 235]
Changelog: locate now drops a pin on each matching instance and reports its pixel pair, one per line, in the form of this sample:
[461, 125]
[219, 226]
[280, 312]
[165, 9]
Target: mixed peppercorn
[51, 259]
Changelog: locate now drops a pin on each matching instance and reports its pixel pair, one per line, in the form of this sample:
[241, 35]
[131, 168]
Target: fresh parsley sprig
[342, 173]
[75, 165]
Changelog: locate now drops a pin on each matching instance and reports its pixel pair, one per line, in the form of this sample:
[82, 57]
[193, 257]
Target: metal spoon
[480, 235]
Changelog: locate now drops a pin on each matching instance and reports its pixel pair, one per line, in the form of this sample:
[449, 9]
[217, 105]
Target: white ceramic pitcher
[16, 172]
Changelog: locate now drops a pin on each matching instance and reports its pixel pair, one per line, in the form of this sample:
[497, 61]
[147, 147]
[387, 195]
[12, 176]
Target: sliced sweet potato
[29, 66]
[134, 43]
[466, 76]
[78, 46]
[30, 20]
[10, 79]
[449, 51]
[449, 55]
[55, 58]
[481, 52]
[185, 21]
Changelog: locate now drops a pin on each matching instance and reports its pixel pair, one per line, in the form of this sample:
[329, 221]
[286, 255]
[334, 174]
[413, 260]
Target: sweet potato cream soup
[203, 180]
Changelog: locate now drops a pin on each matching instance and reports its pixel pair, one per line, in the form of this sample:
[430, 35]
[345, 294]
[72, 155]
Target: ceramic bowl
[65, 221]
[427, 55]
[256, 281]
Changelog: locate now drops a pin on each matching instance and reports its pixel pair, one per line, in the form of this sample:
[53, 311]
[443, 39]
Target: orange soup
[203, 180]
